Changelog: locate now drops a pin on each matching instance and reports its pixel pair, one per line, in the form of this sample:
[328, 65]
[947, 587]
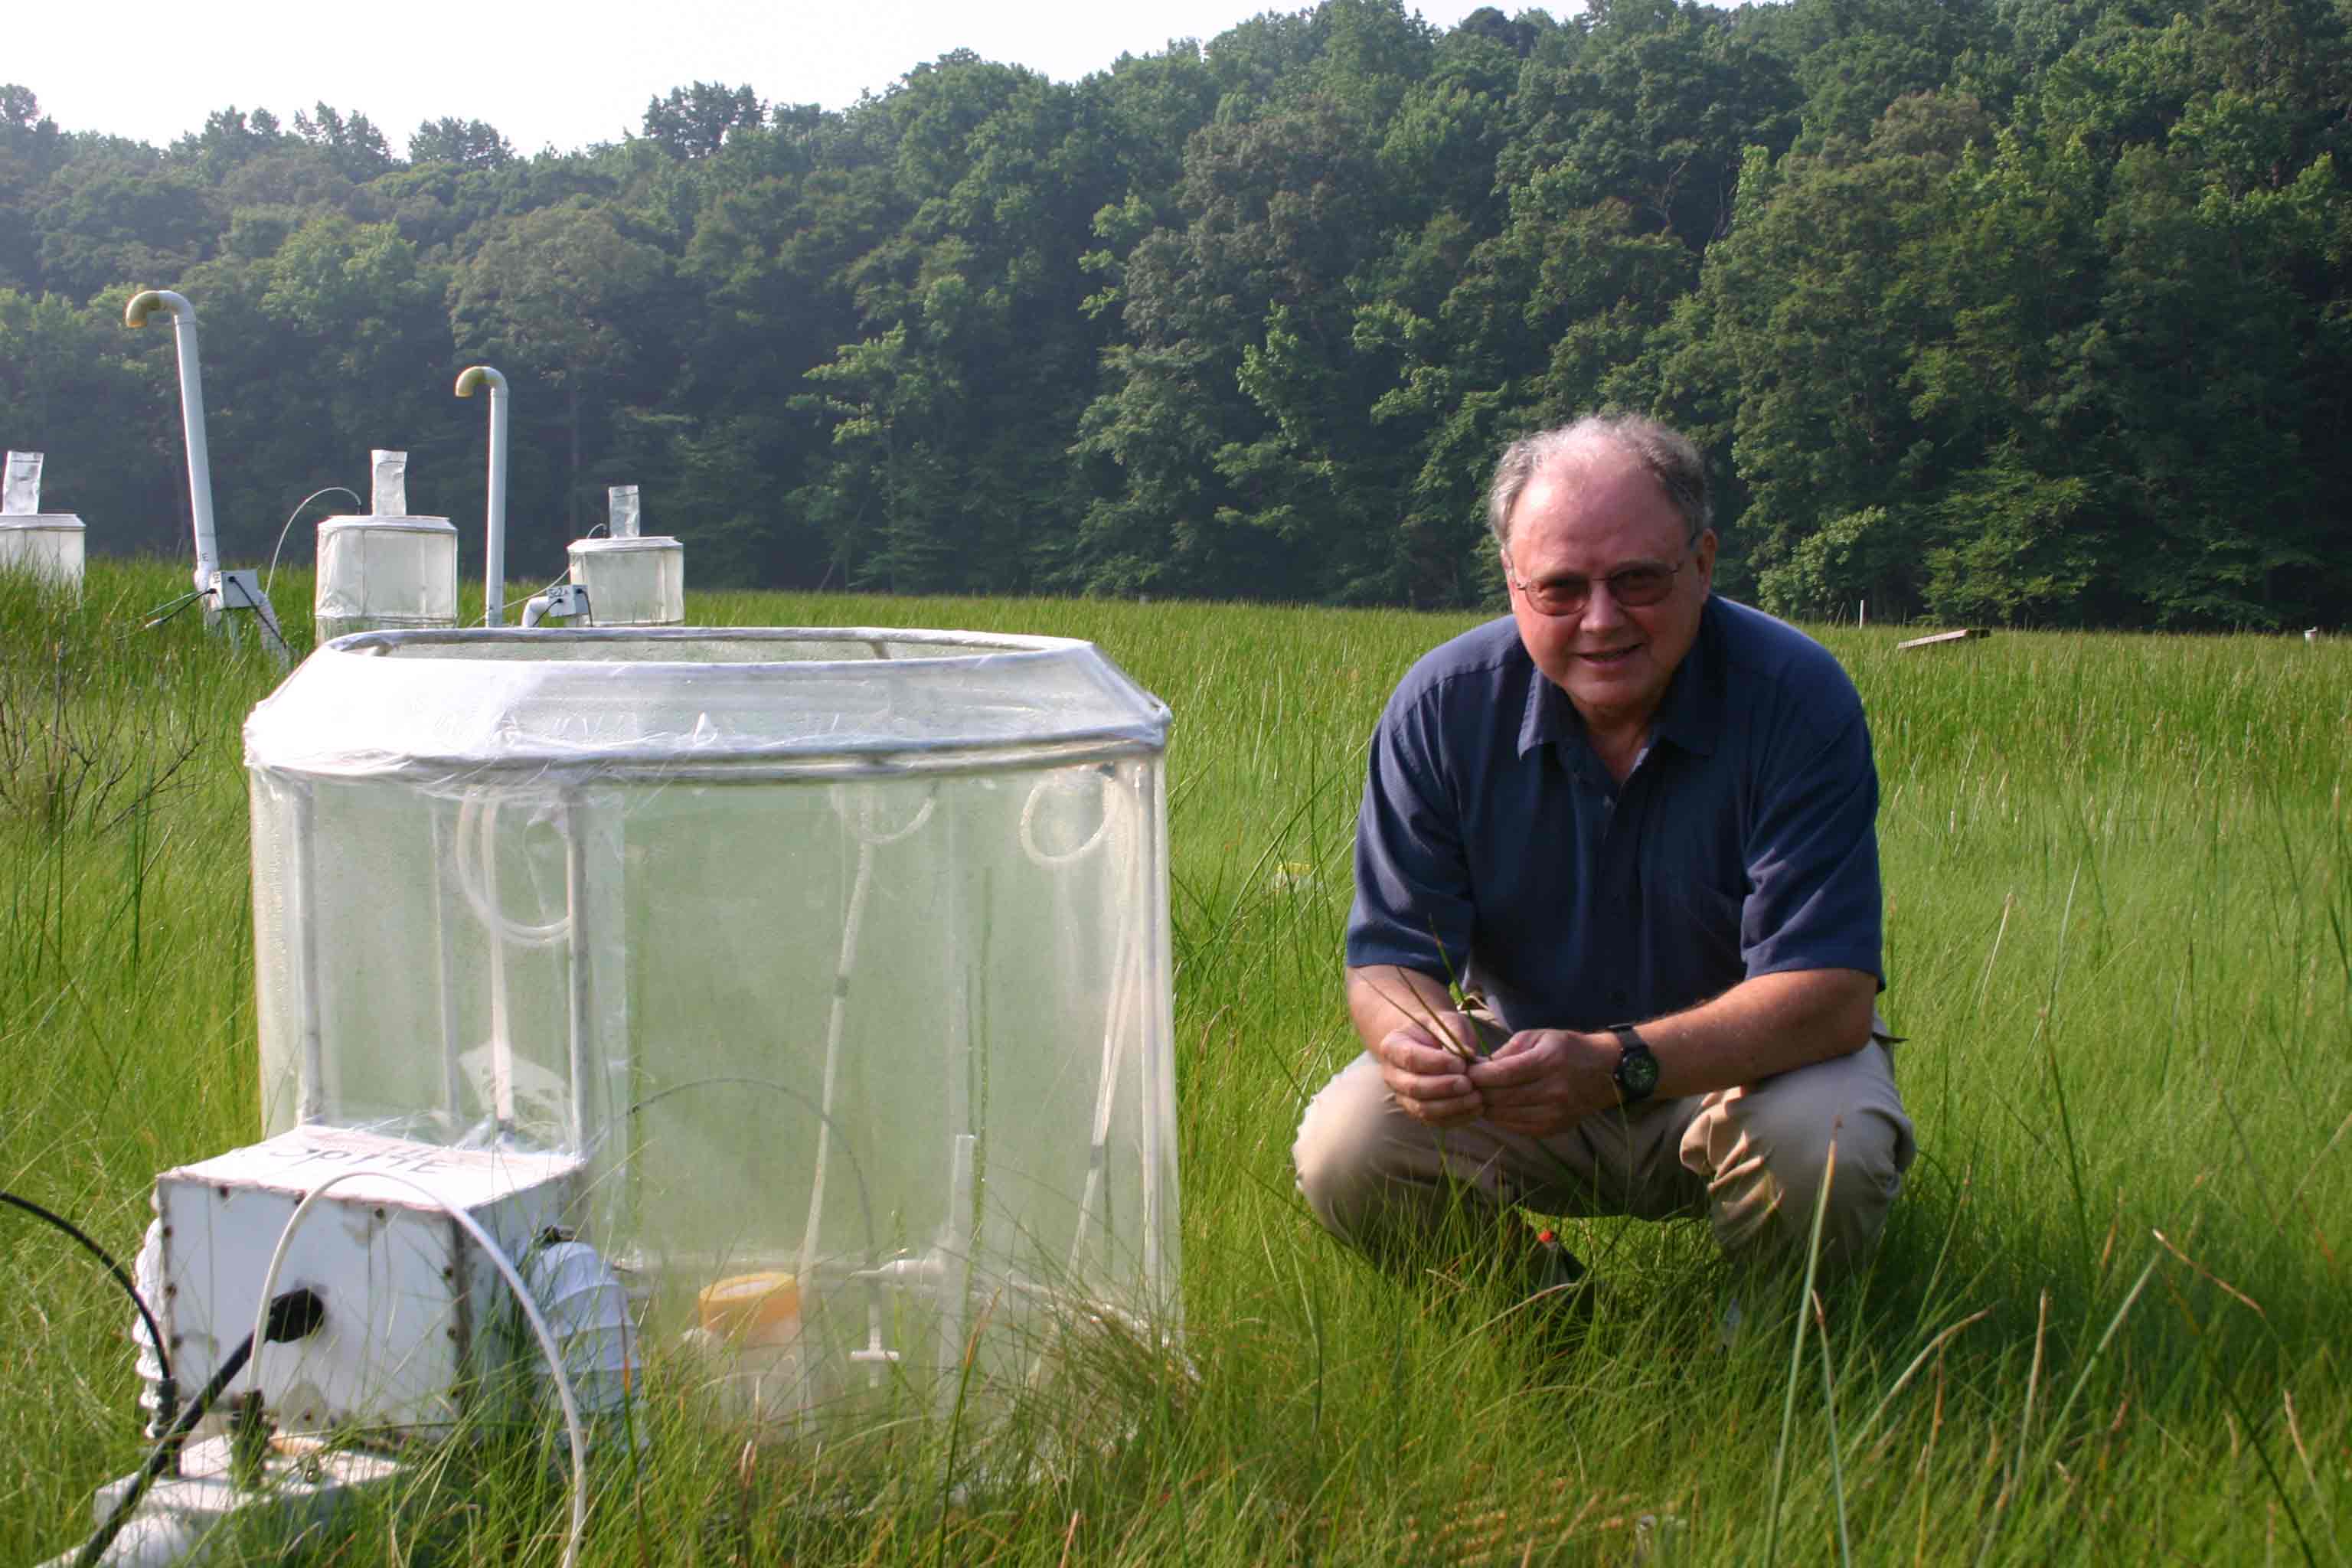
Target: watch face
[1638, 1072]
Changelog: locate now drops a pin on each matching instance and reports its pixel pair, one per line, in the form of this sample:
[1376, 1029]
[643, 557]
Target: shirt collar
[1690, 715]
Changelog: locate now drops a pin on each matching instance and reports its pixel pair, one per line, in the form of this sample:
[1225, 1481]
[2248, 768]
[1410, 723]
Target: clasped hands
[1536, 1083]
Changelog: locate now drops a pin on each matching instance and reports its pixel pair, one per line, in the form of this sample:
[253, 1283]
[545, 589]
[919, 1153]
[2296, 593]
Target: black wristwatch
[1636, 1075]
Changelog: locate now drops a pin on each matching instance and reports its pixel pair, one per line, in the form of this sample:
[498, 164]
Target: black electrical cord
[268, 617]
[292, 1315]
[167, 1392]
[164, 612]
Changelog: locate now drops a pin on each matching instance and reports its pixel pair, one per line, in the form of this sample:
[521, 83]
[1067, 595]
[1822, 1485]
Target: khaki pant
[1750, 1159]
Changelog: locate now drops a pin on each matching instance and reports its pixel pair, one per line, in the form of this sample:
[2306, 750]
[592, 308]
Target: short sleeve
[1412, 878]
[1813, 898]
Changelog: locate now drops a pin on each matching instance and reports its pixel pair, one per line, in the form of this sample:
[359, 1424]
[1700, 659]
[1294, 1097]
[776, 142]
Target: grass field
[2108, 1324]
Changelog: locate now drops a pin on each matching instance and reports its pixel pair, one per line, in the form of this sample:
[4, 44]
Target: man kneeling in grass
[1638, 821]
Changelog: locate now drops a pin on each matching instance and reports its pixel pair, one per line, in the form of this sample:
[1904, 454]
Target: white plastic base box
[47, 545]
[413, 1306]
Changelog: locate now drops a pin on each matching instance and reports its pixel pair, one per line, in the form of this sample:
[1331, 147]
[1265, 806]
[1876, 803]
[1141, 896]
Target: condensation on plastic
[840, 952]
[47, 544]
[633, 581]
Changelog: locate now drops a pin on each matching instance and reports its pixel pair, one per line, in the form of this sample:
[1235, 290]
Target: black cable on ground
[167, 1392]
[292, 1314]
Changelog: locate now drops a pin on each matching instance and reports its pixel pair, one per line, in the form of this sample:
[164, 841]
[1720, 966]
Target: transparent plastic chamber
[387, 569]
[633, 578]
[840, 955]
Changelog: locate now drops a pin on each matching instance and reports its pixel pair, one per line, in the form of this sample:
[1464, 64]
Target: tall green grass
[2105, 1325]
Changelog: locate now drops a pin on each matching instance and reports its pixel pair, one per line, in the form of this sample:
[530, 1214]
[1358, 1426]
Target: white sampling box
[413, 1307]
[47, 544]
[838, 959]
[387, 570]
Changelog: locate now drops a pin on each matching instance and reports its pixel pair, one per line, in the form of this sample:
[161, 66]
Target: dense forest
[2026, 311]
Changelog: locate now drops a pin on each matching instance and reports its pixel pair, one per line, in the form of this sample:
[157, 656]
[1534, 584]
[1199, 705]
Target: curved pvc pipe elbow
[494, 521]
[192, 423]
[144, 303]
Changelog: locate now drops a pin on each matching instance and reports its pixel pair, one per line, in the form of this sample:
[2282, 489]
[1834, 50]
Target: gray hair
[1666, 455]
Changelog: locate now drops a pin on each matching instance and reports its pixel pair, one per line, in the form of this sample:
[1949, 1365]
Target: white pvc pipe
[494, 552]
[192, 421]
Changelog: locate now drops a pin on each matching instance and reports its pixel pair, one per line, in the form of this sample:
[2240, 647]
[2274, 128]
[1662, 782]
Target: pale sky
[565, 76]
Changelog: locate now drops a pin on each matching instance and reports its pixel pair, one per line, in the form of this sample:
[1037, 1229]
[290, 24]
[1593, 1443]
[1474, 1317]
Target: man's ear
[1702, 552]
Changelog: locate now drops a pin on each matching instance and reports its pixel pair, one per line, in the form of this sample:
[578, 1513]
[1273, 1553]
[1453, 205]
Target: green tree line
[2026, 311]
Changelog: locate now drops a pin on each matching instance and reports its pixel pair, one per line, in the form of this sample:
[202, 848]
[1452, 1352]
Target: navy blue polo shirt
[1494, 849]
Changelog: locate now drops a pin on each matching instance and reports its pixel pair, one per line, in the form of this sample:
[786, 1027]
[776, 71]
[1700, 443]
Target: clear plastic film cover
[632, 581]
[388, 476]
[621, 511]
[841, 956]
[20, 490]
[376, 572]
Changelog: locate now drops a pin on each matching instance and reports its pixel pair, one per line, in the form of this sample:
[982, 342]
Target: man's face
[1592, 516]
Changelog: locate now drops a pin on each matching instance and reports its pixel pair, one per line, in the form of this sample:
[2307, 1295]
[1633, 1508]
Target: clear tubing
[837, 1016]
[192, 421]
[832, 1030]
[478, 879]
[959, 1040]
[576, 961]
[311, 1094]
[954, 1284]
[955, 1239]
[494, 521]
[453, 1081]
[1029, 845]
[1125, 971]
[501, 1046]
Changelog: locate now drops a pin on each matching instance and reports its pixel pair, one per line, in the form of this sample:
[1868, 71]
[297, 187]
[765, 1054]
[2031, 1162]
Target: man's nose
[1601, 611]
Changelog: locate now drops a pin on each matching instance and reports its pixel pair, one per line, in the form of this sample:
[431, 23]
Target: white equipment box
[411, 1303]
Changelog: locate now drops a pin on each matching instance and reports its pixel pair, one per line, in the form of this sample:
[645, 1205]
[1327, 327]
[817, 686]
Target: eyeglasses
[1636, 586]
